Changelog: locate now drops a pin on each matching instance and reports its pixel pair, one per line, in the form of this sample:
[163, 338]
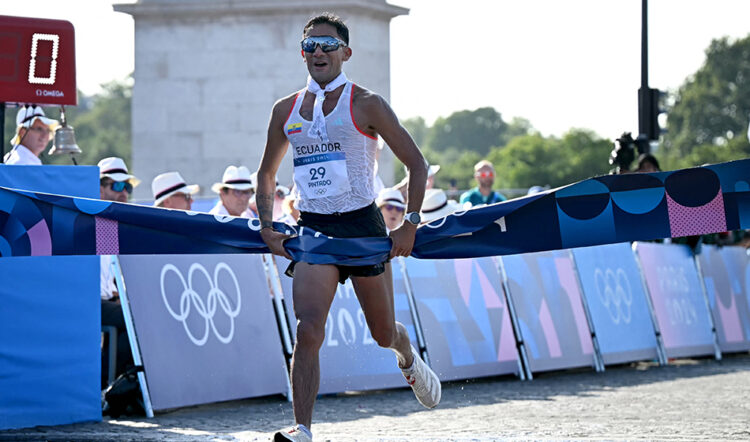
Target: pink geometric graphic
[684, 221]
[107, 239]
[548, 327]
[730, 320]
[570, 285]
[41, 243]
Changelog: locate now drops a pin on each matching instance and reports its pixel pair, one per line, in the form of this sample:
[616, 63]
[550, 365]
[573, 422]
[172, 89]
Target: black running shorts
[364, 222]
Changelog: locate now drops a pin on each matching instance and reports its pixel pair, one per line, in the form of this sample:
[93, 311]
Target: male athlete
[333, 126]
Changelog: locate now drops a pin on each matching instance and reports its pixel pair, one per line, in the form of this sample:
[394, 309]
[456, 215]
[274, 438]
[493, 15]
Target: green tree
[417, 128]
[713, 106]
[476, 130]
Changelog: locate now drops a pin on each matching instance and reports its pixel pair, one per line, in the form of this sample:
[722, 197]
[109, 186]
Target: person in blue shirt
[484, 173]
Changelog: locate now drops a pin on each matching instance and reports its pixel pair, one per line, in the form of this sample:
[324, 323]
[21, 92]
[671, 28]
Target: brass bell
[65, 139]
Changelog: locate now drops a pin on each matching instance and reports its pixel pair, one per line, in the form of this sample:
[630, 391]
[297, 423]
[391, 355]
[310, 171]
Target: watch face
[414, 218]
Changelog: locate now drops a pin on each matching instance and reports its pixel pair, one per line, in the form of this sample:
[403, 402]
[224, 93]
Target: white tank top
[336, 176]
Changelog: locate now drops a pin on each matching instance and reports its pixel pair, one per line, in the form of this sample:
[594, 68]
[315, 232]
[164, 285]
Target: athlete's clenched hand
[403, 239]
[275, 241]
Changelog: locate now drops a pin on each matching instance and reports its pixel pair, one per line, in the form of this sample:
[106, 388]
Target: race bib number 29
[322, 175]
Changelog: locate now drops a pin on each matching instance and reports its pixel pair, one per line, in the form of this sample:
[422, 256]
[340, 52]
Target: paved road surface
[687, 400]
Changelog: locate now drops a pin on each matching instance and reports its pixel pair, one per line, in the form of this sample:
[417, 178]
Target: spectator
[291, 213]
[33, 133]
[115, 184]
[437, 205]
[392, 205]
[648, 163]
[170, 191]
[432, 169]
[278, 200]
[484, 173]
[235, 189]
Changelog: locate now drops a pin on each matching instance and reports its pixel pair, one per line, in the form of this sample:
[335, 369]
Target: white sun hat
[115, 168]
[169, 183]
[235, 178]
[391, 196]
[26, 117]
[437, 205]
[432, 169]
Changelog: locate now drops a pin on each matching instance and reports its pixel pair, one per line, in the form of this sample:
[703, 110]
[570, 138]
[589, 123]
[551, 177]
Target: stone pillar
[207, 73]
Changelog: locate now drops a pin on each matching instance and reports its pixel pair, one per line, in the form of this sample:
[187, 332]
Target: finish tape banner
[726, 274]
[677, 296]
[206, 328]
[617, 302]
[464, 317]
[350, 359]
[549, 310]
[602, 210]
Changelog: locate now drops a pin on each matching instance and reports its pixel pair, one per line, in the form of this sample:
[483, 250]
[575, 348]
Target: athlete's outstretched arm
[276, 146]
[378, 116]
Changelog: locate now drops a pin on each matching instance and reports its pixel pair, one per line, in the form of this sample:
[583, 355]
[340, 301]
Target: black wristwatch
[413, 218]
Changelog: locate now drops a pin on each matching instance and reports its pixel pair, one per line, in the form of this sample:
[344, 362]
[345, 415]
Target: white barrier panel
[464, 317]
[677, 296]
[205, 327]
[725, 273]
[617, 302]
[551, 318]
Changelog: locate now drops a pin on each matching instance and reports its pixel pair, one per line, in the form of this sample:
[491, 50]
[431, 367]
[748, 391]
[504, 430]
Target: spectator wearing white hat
[392, 205]
[172, 192]
[436, 205]
[235, 189]
[115, 183]
[431, 171]
[33, 133]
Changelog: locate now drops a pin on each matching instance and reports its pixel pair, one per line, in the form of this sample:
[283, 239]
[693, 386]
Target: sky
[559, 64]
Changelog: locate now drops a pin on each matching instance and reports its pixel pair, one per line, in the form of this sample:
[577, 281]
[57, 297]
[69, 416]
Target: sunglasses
[390, 207]
[119, 186]
[484, 174]
[326, 43]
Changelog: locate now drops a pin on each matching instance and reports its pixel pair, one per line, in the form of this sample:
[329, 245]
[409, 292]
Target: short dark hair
[329, 19]
[648, 158]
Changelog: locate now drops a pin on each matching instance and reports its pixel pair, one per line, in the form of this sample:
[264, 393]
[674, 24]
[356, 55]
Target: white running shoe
[294, 434]
[423, 381]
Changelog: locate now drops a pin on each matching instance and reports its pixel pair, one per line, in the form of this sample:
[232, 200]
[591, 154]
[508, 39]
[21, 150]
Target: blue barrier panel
[617, 302]
[80, 181]
[677, 296]
[350, 359]
[549, 310]
[205, 327]
[50, 334]
[43, 390]
[464, 317]
[725, 272]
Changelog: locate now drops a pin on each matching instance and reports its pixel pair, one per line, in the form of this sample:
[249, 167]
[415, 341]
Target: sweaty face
[325, 66]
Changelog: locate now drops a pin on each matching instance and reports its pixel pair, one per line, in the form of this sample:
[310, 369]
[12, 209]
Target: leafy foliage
[709, 119]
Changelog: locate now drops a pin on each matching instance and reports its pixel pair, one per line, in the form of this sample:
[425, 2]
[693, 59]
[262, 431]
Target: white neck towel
[318, 128]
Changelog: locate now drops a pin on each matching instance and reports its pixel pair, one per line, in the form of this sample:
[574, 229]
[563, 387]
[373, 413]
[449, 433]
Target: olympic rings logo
[614, 292]
[320, 191]
[190, 299]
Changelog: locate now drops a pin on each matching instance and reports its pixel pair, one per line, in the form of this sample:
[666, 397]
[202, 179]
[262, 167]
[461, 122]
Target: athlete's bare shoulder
[365, 98]
[283, 106]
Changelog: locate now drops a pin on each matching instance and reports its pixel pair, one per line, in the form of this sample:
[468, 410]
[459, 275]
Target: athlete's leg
[375, 294]
[314, 288]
